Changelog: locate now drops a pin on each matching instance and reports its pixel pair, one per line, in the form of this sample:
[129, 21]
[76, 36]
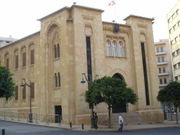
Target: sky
[19, 18]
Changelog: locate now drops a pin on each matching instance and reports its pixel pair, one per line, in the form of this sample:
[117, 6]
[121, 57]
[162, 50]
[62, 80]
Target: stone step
[129, 118]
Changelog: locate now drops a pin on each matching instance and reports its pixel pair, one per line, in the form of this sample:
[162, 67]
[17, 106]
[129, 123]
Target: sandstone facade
[60, 58]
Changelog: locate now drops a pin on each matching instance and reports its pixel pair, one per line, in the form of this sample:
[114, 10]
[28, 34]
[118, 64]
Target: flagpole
[113, 5]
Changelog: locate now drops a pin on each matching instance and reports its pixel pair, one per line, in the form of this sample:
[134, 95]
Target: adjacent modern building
[72, 43]
[174, 37]
[163, 58]
[6, 40]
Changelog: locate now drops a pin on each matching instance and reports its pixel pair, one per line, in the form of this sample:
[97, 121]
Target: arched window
[108, 48]
[121, 49]
[54, 40]
[16, 59]
[6, 60]
[114, 48]
[118, 50]
[23, 56]
[58, 50]
[57, 78]
[55, 52]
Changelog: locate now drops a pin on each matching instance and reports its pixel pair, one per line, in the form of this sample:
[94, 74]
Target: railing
[163, 73]
[171, 116]
[162, 62]
[24, 117]
[160, 53]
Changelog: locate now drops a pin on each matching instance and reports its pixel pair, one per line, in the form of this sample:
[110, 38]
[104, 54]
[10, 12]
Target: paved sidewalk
[115, 128]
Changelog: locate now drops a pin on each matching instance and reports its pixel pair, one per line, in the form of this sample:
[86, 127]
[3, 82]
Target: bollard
[82, 126]
[3, 131]
[70, 124]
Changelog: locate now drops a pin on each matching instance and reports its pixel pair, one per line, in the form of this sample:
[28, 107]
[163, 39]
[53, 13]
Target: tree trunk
[109, 114]
[176, 115]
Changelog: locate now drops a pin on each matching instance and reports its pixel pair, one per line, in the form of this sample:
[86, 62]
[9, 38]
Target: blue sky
[19, 17]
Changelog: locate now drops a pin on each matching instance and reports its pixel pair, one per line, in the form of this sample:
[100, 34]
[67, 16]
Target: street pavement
[13, 128]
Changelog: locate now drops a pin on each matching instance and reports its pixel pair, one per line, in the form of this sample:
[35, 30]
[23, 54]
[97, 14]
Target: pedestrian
[95, 120]
[92, 120]
[121, 122]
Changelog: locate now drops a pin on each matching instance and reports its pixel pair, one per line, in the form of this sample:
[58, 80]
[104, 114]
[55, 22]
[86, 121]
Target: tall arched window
[121, 49]
[23, 56]
[16, 59]
[57, 78]
[31, 54]
[54, 40]
[114, 48]
[58, 50]
[108, 48]
[6, 60]
[118, 50]
[55, 52]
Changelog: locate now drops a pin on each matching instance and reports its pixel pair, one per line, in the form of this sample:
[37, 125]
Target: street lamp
[84, 80]
[24, 84]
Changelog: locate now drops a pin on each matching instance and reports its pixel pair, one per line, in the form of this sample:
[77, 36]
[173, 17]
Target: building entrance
[58, 114]
[117, 108]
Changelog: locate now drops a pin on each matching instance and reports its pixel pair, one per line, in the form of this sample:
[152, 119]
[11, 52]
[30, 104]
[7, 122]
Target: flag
[112, 3]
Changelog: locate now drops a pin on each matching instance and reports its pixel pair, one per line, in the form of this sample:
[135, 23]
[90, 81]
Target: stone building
[164, 65]
[173, 18]
[73, 43]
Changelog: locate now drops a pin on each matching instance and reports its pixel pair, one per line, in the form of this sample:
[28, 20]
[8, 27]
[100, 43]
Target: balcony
[163, 85]
[163, 73]
[162, 63]
[160, 53]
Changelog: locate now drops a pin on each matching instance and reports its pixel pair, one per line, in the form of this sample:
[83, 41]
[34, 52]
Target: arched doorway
[118, 76]
[122, 107]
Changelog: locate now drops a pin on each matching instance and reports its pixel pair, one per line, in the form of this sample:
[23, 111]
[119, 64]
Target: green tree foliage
[7, 86]
[170, 95]
[110, 90]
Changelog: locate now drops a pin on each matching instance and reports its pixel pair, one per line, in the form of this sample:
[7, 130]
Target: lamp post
[24, 84]
[84, 80]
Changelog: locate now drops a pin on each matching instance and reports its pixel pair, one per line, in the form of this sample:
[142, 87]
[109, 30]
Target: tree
[111, 91]
[171, 95]
[7, 85]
